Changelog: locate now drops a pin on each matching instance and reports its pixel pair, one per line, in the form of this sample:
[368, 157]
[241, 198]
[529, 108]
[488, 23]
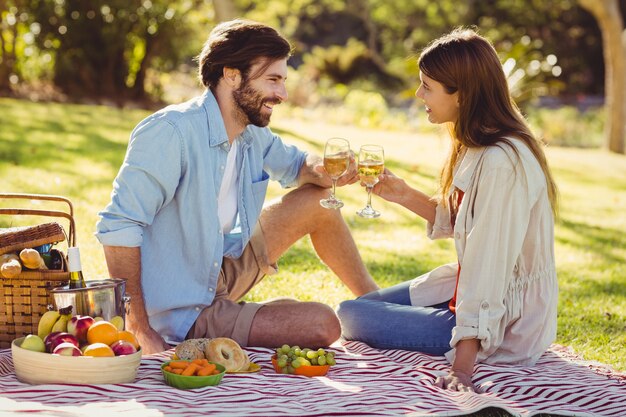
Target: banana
[61, 324]
[46, 322]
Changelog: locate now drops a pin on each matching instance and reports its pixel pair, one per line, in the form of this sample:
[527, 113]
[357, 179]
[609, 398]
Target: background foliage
[121, 50]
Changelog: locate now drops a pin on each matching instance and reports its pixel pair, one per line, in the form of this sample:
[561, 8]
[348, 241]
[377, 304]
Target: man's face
[257, 95]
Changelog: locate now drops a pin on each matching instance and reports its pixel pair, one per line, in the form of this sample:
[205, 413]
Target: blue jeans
[386, 319]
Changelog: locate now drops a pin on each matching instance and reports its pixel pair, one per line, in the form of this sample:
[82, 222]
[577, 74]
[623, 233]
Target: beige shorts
[226, 317]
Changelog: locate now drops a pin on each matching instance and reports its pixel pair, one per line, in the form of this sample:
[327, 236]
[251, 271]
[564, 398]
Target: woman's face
[441, 106]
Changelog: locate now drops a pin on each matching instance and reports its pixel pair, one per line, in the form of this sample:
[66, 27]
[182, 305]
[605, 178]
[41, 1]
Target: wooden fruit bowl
[45, 368]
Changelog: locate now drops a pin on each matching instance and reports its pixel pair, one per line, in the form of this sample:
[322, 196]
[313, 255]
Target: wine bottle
[76, 271]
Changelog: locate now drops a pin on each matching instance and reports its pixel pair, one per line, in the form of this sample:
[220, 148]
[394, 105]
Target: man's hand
[313, 172]
[149, 340]
[456, 381]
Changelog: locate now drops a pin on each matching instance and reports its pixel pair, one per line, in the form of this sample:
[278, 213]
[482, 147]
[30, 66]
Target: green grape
[311, 354]
[330, 361]
[290, 370]
[285, 348]
[294, 347]
[321, 352]
[282, 362]
[305, 362]
[314, 361]
[321, 360]
[284, 370]
[279, 352]
[297, 351]
[296, 363]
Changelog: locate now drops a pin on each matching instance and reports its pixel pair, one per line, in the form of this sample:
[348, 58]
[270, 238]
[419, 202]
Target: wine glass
[371, 165]
[336, 163]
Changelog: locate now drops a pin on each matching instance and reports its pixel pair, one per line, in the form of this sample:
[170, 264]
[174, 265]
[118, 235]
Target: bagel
[227, 353]
[191, 349]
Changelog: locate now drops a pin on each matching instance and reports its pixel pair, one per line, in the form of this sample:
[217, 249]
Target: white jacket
[504, 238]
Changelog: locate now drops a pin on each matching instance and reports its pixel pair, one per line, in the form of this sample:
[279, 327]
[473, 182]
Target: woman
[497, 199]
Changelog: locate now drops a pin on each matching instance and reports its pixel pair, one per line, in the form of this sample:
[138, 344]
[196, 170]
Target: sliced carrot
[201, 362]
[216, 372]
[179, 364]
[167, 368]
[177, 371]
[190, 370]
[206, 370]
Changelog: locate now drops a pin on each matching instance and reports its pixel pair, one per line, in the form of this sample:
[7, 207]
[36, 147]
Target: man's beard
[249, 104]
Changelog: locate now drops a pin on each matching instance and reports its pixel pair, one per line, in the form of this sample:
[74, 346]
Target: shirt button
[197, 308]
[484, 305]
[222, 167]
[215, 264]
[211, 289]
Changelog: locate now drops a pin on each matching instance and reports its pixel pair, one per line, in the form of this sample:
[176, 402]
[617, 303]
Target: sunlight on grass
[76, 151]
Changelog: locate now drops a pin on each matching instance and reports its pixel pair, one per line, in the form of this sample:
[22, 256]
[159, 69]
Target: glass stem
[369, 196]
[332, 195]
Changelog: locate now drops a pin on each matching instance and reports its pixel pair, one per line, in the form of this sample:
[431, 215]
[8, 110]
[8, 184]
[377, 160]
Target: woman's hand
[390, 187]
[456, 381]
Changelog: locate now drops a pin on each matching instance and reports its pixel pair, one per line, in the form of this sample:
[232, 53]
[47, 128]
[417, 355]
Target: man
[186, 225]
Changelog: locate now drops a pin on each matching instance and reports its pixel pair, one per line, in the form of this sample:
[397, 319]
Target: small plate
[313, 370]
[253, 367]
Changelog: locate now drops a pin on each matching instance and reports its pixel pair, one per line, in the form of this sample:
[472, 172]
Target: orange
[98, 349]
[102, 332]
[129, 337]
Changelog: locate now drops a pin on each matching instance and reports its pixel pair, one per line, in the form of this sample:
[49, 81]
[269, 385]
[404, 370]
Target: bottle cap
[73, 259]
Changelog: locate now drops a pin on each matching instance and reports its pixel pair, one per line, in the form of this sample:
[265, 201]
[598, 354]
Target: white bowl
[45, 368]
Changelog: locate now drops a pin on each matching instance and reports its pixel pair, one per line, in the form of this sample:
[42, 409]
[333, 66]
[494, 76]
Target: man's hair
[239, 44]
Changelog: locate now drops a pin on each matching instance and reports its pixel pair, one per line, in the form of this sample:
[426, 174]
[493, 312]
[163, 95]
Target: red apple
[78, 326]
[56, 338]
[67, 349]
[123, 347]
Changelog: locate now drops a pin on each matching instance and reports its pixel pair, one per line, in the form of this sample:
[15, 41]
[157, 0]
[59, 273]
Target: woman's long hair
[466, 62]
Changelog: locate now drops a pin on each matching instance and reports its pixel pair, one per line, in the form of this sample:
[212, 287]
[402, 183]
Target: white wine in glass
[336, 163]
[371, 165]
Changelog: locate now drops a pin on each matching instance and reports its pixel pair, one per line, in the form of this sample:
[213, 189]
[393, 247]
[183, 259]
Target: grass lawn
[76, 151]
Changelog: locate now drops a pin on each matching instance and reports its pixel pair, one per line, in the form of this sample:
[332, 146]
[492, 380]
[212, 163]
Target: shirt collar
[465, 169]
[217, 128]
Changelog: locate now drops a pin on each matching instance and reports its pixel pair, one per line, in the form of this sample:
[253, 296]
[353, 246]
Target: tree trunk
[224, 10]
[608, 15]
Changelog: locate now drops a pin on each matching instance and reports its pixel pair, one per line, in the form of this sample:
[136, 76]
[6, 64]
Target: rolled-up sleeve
[500, 215]
[442, 227]
[283, 162]
[143, 185]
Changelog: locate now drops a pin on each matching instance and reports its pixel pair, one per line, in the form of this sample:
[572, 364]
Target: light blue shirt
[164, 200]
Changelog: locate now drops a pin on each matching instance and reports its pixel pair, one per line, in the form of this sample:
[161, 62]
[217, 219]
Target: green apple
[34, 343]
[118, 322]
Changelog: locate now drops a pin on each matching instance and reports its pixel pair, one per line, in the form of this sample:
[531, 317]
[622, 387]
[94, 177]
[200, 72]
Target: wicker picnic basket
[25, 298]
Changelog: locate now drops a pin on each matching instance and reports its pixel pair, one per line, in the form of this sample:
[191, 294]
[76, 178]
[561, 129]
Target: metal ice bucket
[103, 298]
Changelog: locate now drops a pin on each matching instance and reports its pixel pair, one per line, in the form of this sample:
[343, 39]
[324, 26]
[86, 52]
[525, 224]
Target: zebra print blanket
[365, 382]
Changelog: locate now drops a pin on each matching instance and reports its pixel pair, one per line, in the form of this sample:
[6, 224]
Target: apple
[34, 343]
[78, 326]
[67, 349]
[56, 338]
[123, 347]
[118, 322]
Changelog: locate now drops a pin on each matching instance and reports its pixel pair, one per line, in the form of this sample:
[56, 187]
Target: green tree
[611, 23]
[104, 49]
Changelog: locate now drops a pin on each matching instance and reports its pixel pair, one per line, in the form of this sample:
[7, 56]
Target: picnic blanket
[365, 382]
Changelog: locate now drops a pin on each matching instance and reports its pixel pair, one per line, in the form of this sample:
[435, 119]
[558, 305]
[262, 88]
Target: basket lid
[18, 238]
